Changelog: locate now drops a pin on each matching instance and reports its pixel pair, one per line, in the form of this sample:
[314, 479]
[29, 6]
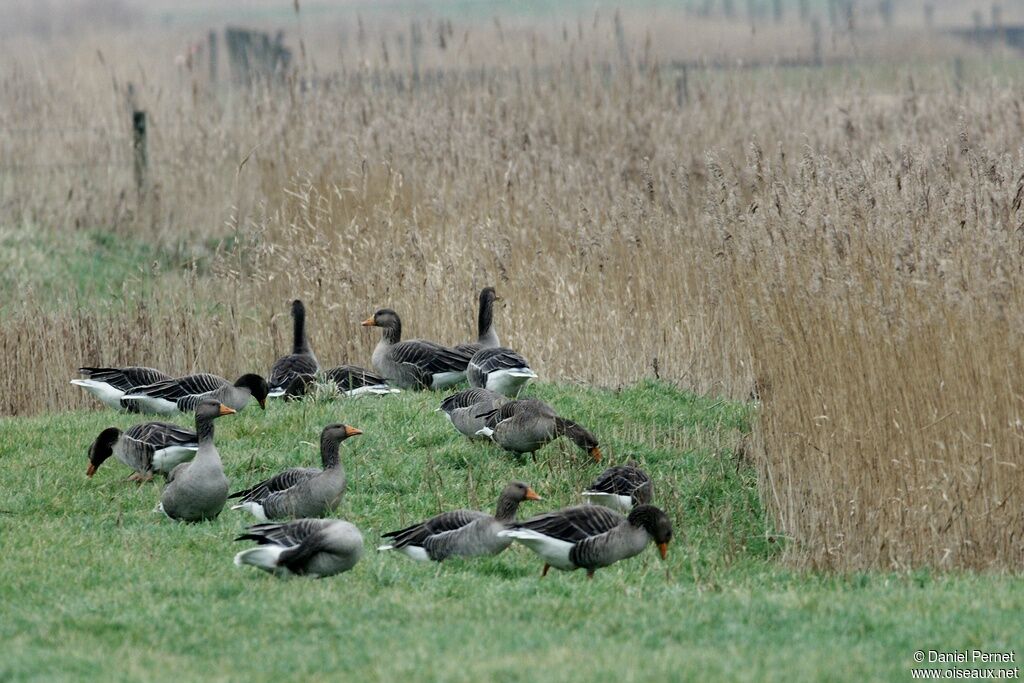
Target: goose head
[256, 385]
[656, 523]
[101, 449]
[485, 321]
[298, 309]
[338, 432]
[585, 440]
[520, 491]
[211, 409]
[389, 322]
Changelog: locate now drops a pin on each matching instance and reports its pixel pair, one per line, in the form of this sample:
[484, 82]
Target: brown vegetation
[845, 245]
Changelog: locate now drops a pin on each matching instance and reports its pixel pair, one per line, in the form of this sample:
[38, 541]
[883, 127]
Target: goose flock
[295, 534]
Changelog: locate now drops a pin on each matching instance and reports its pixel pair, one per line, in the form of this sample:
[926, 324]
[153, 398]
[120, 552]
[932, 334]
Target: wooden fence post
[139, 147]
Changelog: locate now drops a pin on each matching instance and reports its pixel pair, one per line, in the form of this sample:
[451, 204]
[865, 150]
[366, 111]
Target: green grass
[96, 586]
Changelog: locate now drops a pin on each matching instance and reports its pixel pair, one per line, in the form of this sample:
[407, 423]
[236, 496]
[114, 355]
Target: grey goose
[302, 491]
[147, 448]
[304, 547]
[196, 491]
[621, 488]
[300, 361]
[414, 364]
[183, 394]
[462, 533]
[350, 380]
[486, 336]
[591, 536]
[462, 409]
[525, 425]
[110, 384]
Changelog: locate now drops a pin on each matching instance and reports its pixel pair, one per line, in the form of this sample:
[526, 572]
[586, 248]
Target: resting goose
[351, 381]
[110, 384]
[302, 491]
[462, 409]
[462, 533]
[486, 336]
[591, 536]
[300, 361]
[525, 425]
[620, 488]
[183, 394]
[307, 547]
[414, 364]
[197, 490]
[146, 448]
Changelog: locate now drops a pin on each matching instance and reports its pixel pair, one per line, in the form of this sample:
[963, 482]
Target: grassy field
[97, 586]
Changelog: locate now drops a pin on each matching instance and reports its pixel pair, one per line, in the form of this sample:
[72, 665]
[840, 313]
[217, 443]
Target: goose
[414, 364]
[305, 547]
[462, 533]
[591, 536]
[351, 381]
[524, 425]
[110, 384]
[183, 394]
[462, 408]
[197, 490]
[620, 488]
[300, 361]
[302, 491]
[146, 448]
[486, 336]
[499, 369]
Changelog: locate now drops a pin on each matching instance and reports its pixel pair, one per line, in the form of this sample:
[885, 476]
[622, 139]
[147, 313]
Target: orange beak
[595, 453]
[663, 549]
[369, 322]
[262, 402]
[90, 471]
[352, 431]
[224, 410]
[532, 495]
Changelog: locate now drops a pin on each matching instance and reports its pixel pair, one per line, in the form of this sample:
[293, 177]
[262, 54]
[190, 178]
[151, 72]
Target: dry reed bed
[846, 247]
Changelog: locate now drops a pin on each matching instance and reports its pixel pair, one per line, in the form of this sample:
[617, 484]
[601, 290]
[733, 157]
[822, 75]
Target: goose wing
[467, 398]
[499, 358]
[279, 482]
[621, 480]
[430, 357]
[287, 367]
[159, 435]
[181, 387]
[349, 377]
[574, 524]
[446, 521]
[288, 534]
[125, 379]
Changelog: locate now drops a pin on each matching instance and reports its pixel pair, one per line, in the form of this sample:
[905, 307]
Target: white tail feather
[255, 509]
[264, 557]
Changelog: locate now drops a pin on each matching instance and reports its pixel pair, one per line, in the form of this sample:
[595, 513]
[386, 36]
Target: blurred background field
[813, 206]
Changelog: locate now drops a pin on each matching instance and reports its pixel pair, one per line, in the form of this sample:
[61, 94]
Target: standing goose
[307, 547]
[487, 338]
[526, 425]
[591, 536]
[462, 409]
[183, 394]
[146, 448]
[351, 381]
[110, 384]
[197, 490]
[414, 364]
[302, 491]
[300, 361]
[620, 488]
[462, 533]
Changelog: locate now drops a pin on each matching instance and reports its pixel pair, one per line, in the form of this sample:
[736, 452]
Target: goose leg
[545, 571]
